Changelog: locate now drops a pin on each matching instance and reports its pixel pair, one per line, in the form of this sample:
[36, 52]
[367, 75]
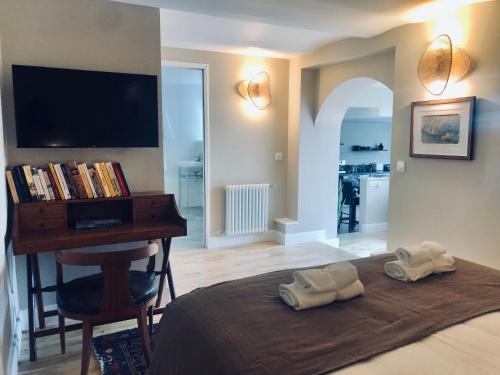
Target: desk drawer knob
[40, 210]
[42, 225]
[153, 203]
[153, 216]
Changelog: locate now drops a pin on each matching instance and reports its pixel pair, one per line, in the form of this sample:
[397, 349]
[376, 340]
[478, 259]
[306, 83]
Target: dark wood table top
[50, 240]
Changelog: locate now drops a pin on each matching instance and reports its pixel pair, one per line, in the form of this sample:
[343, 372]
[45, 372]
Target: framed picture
[443, 129]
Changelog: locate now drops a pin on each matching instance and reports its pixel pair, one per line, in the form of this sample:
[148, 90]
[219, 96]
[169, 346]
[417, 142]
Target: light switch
[278, 156]
[401, 166]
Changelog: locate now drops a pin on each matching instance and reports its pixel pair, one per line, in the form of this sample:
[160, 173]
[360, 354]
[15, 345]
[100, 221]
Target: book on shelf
[53, 181]
[121, 179]
[44, 184]
[102, 182]
[91, 184]
[69, 181]
[53, 173]
[112, 177]
[64, 181]
[77, 179]
[85, 181]
[12, 186]
[50, 187]
[107, 179]
[24, 191]
[38, 185]
[30, 181]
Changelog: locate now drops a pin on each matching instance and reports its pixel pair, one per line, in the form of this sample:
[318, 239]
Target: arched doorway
[364, 161]
[320, 151]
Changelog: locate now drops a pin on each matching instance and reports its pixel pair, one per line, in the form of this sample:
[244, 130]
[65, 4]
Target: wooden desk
[49, 226]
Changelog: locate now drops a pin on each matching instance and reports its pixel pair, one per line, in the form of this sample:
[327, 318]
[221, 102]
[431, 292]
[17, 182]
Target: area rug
[120, 353]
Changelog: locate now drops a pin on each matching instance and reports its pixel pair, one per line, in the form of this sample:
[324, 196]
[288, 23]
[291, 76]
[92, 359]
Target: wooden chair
[115, 294]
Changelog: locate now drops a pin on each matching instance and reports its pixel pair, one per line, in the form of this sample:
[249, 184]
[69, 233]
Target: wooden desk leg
[170, 282]
[38, 291]
[165, 267]
[31, 323]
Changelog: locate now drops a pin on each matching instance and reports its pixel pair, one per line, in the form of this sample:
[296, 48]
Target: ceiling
[275, 27]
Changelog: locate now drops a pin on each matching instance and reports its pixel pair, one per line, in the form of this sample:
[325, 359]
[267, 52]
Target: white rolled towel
[295, 297]
[355, 289]
[435, 248]
[333, 277]
[443, 263]
[400, 271]
[424, 252]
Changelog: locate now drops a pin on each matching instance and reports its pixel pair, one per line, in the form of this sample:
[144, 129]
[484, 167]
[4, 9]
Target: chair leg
[142, 326]
[62, 334]
[87, 346]
[150, 319]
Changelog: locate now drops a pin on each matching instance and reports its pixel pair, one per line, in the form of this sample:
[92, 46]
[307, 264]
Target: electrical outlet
[278, 156]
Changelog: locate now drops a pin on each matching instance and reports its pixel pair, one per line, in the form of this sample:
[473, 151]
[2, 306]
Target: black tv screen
[80, 108]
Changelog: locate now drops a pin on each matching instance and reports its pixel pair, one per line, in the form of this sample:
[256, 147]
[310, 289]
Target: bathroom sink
[190, 164]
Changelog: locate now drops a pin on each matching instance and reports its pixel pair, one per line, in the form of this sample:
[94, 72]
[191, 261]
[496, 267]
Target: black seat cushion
[83, 295]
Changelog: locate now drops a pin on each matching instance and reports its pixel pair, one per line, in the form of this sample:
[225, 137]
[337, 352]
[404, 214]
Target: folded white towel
[400, 271]
[295, 297]
[355, 289]
[333, 277]
[444, 263]
[435, 248]
[424, 252]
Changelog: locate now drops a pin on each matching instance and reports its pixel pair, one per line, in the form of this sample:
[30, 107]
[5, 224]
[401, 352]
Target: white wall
[320, 137]
[6, 319]
[182, 95]
[455, 202]
[365, 132]
[243, 140]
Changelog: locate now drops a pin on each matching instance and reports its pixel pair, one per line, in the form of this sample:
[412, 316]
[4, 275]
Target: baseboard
[300, 237]
[375, 227]
[228, 241]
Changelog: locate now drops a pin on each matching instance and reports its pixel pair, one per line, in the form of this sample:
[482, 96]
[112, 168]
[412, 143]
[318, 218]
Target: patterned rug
[120, 353]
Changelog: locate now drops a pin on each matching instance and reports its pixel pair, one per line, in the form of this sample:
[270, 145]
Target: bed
[243, 327]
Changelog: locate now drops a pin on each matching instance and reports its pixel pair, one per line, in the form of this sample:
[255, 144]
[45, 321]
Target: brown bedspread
[243, 327]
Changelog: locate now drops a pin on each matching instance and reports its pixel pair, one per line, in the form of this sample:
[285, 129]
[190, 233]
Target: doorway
[364, 161]
[184, 98]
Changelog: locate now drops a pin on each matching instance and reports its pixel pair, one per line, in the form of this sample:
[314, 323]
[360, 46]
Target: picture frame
[443, 129]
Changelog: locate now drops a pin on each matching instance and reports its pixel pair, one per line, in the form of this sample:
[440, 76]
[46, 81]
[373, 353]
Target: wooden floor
[201, 267]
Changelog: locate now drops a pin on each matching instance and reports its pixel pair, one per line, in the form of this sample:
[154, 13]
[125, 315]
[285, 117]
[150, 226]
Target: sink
[190, 164]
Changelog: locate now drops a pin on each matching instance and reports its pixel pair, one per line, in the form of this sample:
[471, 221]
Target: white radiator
[247, 209]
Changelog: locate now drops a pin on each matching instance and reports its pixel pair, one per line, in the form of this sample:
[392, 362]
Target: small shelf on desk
[44, 226]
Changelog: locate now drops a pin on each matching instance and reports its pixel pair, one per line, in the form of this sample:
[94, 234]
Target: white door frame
[206, 137]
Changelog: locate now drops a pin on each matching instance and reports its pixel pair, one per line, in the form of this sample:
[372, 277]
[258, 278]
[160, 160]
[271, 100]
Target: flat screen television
[80, 108]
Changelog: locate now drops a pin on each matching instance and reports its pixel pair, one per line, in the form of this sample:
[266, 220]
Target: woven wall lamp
[257, 90]
[441, 63]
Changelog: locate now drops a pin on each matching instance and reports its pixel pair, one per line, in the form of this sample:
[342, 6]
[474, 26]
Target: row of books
[66, 181]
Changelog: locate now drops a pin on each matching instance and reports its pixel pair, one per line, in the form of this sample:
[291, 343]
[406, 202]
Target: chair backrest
[115, 266]
[348, 191]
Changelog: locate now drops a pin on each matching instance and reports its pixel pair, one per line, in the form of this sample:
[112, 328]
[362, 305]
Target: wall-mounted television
[80, 108]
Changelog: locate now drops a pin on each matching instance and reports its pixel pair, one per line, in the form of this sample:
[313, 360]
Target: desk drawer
[151, 214]
[37, 225]
[152, 201]
[41, 211]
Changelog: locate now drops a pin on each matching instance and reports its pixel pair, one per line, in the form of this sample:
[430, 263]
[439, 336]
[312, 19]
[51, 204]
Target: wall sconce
[257, 90]
[441, 63]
